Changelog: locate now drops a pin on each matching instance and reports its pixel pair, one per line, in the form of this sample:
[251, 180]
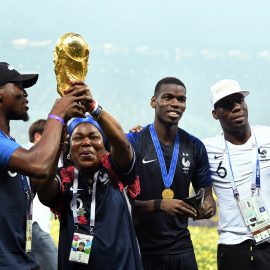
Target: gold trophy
[70, 60]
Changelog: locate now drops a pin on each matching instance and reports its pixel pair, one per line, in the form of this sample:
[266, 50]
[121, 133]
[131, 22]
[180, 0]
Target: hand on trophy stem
[71, 104]
[82, 86]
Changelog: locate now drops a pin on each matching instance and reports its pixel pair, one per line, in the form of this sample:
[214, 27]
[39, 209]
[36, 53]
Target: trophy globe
[70, 60]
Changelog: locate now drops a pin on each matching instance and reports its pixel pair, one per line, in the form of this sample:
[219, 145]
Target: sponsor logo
[12, 174]
[148, 161]
[218, 156]
[71, 189]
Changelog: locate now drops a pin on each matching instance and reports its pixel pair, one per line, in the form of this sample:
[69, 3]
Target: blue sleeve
[202, 177]
[134, 139]
[7, 148]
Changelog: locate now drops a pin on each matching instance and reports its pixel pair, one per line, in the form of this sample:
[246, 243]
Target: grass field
[205, 246]
[204, 241]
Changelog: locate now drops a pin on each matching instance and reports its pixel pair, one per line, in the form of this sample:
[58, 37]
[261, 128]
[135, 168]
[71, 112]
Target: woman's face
[86, 147]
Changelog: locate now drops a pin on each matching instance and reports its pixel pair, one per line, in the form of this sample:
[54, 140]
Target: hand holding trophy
[71, 60]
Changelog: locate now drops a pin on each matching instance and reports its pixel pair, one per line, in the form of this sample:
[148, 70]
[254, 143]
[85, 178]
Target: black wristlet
[157, 204]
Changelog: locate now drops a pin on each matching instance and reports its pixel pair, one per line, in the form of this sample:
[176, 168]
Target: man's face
[14, 100]
[86, 146]
[169, 103]
[232, 112]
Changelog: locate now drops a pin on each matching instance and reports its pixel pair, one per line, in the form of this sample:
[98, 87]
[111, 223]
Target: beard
[26, 118]
[19, 116]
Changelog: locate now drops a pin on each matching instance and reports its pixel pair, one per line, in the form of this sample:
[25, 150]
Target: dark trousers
[183, 261]
[244, 256]
[43, 249]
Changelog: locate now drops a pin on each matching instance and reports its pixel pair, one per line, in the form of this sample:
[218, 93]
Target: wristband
[95, 110]
[157, 204]
[58, 118]
[93, 106]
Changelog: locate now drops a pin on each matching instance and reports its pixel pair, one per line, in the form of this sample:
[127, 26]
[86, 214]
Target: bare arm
[208, 208]
[170, 206]
[48, 188]
[121, 150]
[38, 161]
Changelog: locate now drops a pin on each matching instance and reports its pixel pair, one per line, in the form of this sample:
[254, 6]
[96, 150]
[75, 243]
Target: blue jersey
[115, 245]
[12, 213]
[158, 232]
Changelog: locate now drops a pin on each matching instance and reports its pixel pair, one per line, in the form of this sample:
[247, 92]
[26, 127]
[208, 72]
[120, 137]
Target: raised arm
[38, 161]
[121, 150]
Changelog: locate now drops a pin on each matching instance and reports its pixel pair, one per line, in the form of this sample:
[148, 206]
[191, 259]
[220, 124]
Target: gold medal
[167, 193]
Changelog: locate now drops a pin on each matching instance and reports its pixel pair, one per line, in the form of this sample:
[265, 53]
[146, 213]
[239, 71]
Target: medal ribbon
[167, 177]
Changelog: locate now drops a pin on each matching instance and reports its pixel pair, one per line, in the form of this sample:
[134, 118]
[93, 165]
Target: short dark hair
[82, 243]
[36, 127]
[168, 80]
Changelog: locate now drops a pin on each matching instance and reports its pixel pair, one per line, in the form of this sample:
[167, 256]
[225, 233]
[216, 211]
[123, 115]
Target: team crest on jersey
[103, 177]
[185, 163]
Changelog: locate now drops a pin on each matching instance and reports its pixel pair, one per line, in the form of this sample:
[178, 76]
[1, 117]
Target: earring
[68, 156]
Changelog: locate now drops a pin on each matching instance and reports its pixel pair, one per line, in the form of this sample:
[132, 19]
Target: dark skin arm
[170, 206]
[41, 186]
[179, 207]
[121, 151]
[48, 187]
[208, 208]
[38, 161]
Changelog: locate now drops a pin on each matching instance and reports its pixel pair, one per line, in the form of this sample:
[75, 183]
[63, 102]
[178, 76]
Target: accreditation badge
[256, 218]
[81, 248]
[28, 233]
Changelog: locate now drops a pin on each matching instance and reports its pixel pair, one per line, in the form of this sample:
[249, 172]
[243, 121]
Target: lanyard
[93, 202]
[255, 185]
[29, 213]
[167, 177]
[27, 192]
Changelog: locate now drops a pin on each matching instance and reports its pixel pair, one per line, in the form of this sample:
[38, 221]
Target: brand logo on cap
[10, 67]
[225, 88]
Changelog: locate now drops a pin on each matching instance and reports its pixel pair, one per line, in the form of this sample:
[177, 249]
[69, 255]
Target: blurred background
[133, 45]
[136, 43]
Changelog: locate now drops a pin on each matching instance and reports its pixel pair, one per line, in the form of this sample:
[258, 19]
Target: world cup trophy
[70, 60]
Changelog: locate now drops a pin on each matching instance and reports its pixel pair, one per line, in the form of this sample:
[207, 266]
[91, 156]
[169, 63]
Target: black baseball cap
[10, 75]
